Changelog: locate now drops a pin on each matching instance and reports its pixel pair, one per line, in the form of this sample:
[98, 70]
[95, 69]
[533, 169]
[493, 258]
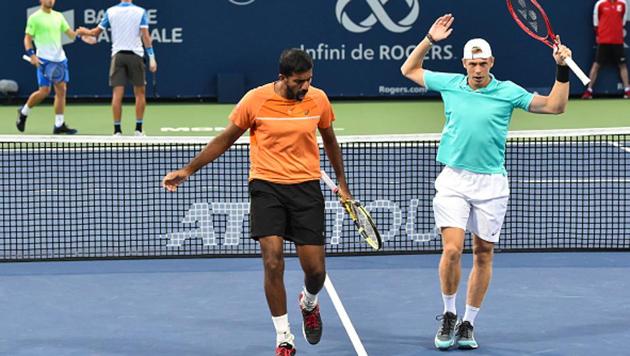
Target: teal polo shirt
[477, 121]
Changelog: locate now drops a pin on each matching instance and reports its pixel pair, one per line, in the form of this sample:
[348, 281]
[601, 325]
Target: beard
[296, 94]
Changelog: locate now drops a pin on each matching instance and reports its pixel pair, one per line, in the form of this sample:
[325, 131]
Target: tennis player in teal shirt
[472, 190]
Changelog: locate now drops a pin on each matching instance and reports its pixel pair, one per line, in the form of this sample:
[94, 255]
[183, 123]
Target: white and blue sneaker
[464, 336]
[445, 337]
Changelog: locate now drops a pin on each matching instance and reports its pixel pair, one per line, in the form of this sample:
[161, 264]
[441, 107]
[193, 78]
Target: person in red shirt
[286, 198]
[609, 18]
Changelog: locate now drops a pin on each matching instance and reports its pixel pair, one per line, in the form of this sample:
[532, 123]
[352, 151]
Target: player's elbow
[404, 71]
[559, 109]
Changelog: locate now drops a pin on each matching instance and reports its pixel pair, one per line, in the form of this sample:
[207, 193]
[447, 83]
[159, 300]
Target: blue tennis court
[94, 198]
[541, 303]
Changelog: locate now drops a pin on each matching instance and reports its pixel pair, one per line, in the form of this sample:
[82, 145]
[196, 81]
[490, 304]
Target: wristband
[562, 74]
[430, 38]
[30, 52]
[150, 52]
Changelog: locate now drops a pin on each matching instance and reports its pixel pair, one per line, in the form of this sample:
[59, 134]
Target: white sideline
[345, 319]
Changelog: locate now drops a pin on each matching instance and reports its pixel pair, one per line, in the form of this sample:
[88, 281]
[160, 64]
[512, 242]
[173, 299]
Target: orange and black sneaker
[285, 349]
[311, 323]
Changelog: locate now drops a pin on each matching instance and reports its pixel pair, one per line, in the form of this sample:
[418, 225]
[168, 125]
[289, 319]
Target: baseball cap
[481, 48]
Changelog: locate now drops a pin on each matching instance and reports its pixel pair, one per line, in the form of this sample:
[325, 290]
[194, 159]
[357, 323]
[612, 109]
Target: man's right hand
[35, 61]
[173, 179]
[441, 28]
[82, 31]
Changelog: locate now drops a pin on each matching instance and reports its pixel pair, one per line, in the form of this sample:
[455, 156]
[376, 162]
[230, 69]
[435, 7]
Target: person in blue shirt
[472, 190]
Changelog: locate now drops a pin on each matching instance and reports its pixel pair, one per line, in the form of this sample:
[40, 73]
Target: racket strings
[530, 16]
[366, 226]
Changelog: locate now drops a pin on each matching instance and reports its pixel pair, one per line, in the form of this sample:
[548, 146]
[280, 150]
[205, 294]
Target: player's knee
[274, 264]
[60, 92]
[317, 274]
[452, 253]
[45, 91]
[483, 256]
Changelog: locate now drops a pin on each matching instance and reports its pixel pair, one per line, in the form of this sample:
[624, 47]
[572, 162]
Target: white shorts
[471, 201]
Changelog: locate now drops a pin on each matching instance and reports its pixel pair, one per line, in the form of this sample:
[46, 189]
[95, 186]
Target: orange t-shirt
[283, 141]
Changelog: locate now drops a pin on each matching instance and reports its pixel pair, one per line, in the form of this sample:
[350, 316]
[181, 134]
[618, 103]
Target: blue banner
[358, 45]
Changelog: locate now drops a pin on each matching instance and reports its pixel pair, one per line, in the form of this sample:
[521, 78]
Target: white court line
[345, 319]
[623, 148]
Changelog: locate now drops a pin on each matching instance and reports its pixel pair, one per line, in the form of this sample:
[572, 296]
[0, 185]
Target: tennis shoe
[139, 134]
[117, 134]
[445, 336]
[64, 129]
[285, 349]
[587, 94]
[464, 336]
[311, 322]
[626, 94]
[21, 121]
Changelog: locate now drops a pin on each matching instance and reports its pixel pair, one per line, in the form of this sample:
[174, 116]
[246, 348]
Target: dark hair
[294, 60]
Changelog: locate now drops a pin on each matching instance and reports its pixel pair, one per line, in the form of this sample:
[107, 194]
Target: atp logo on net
[378, 15]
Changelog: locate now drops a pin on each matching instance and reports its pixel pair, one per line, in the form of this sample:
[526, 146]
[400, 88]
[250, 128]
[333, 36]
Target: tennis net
[99, 197]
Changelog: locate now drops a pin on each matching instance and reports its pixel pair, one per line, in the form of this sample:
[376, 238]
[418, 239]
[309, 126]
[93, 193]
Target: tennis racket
[154, 90]
[531, 17]
[359, 216]
[154, 85]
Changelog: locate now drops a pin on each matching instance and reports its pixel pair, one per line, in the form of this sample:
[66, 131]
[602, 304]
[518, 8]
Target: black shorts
[293, 211]
[610, 54]
[127, 67]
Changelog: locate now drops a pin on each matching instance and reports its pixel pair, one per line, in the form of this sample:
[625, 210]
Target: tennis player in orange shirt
[286, 198]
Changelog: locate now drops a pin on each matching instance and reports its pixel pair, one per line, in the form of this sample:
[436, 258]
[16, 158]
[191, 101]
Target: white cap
[477, 48]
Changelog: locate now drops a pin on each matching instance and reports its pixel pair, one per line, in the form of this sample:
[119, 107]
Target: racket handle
[26, 58]
[578, 72]
[329, 182]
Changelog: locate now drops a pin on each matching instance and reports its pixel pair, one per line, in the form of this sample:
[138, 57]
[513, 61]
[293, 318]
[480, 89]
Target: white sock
[58, 120]
[310, 300]
[25, 110]
[283, 331]
[590, 90]
[449, 303]
[627, 89]
[471, 314]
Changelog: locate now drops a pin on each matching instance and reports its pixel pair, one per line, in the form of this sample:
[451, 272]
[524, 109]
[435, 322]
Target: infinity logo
[378, 15]
[242, 2]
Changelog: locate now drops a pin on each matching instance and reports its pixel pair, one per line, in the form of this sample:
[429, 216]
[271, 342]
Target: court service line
[345, 319]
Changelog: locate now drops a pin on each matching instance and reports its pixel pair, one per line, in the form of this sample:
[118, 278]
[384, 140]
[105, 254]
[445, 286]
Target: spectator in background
[130, 28]
[609, 18]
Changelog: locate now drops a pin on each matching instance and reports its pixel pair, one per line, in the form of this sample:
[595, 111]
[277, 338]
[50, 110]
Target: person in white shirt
[129, 25]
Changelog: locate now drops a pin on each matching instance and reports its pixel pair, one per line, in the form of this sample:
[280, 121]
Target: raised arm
[556, 102]
[333, 151]
[94, 32]
[72, 34]
[441, 29]
[212, 151]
